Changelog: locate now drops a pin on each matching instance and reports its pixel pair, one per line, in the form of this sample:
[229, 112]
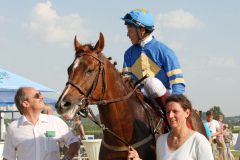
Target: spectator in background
[215, 131]
[207, 129]
[47, 109]
[228, 139]
[222, 150]
[79, 129]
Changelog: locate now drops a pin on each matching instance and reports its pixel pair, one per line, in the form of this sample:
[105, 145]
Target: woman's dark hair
[181, 99]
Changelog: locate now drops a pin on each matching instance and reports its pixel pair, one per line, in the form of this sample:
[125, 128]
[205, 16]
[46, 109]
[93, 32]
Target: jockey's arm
[178, 88]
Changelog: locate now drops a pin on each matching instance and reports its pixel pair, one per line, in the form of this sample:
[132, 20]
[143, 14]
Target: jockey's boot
[157, 91]
[161, 101]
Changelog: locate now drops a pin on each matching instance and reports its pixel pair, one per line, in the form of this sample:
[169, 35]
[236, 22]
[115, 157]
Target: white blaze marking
[65, 92]
[75, 65]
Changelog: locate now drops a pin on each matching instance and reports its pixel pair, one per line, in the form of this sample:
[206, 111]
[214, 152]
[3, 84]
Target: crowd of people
[221, 136]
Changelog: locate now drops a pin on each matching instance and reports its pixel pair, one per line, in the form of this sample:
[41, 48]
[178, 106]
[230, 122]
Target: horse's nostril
[65, 104]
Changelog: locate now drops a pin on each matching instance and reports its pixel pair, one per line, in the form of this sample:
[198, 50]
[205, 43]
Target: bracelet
[66, 157]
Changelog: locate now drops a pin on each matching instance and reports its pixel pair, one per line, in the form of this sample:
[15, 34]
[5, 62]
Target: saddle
[152, 108]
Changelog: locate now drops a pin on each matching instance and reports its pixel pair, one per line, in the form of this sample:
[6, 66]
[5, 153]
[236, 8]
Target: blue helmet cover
[139, 18]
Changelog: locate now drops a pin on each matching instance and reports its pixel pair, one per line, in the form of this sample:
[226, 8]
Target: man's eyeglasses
[37, 95]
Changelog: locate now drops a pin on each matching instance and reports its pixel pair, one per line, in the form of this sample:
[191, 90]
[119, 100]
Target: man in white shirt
[215, 131]
[36, 136]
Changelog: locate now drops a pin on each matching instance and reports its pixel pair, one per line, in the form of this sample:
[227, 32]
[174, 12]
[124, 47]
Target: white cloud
[2, 20]
[179, 19]
[176, 46]
[225, 62]
[211, 63]
[118, 38]
[49, 26]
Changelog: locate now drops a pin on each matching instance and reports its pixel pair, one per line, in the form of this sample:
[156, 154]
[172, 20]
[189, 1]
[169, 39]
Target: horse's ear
[100, 44]
[76, 43]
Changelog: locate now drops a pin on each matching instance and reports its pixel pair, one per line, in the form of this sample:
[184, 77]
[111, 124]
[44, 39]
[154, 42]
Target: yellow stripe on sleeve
[177, 80]
[174, 72]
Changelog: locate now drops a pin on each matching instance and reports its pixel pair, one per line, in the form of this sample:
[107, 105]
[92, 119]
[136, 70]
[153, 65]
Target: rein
[88, 94]
[88, 99]
[93, 118]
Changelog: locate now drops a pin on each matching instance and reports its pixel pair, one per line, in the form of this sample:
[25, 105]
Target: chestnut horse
[125, 118]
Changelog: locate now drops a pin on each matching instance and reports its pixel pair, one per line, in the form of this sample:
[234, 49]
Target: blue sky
[36, 41]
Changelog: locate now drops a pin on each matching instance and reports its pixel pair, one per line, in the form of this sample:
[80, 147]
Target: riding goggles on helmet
[139, 18]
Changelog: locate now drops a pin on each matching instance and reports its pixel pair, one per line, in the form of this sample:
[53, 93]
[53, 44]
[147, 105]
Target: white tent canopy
[11, 82]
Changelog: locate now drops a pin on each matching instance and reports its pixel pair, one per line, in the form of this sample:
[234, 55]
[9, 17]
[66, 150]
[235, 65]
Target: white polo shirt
[25, 141]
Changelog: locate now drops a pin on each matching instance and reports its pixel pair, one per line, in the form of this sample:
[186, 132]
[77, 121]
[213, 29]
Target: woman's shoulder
[198, 135]
[200, 138]
[162, 140]
[163, 136]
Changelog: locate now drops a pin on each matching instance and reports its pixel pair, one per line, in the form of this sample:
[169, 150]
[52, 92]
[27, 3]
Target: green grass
[236, 154]
[91, 128]
[235, 130]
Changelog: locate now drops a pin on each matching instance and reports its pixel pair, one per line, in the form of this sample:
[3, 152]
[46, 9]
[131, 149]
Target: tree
[217, 111]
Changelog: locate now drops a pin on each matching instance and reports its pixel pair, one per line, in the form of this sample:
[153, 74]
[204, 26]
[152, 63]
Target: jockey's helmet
[139, 18]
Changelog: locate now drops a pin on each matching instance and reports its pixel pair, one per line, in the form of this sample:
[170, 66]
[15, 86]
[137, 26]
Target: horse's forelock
[84, 48]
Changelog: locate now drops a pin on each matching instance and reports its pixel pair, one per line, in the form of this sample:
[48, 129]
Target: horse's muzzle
[65, 106]
[62, 106]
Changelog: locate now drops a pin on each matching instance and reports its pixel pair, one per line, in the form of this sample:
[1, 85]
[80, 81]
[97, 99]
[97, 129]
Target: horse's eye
[89, 72]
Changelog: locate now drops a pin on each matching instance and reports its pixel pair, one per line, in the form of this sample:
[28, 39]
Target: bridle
[89, 101]
[88, 94]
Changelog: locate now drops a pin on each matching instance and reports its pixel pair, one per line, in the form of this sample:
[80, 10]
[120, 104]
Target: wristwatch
[66, 157]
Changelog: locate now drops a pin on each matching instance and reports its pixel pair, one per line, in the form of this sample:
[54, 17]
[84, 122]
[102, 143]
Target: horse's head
[83, 75]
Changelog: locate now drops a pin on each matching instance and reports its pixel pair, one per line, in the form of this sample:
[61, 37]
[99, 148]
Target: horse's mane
[128, 81]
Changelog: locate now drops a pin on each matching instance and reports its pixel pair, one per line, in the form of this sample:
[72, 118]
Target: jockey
[149, 56]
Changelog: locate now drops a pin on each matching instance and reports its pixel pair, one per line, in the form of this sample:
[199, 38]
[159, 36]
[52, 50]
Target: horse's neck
[116, 88]
[122, 113]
